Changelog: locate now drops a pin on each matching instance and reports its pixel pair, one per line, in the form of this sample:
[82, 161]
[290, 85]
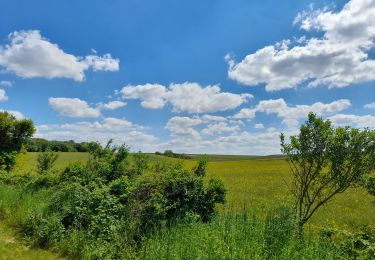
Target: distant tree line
[170, 153]
[42, 145]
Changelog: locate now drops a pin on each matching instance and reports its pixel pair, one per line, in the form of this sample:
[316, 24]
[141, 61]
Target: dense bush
[42, 145]
[370, 185]
[46, 161]
[118, 200]
[171, 154]
[14, 134]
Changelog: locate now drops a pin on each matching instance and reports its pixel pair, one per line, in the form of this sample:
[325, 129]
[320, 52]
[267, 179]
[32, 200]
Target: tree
[325, 161]
[14, 134]
[46, 161]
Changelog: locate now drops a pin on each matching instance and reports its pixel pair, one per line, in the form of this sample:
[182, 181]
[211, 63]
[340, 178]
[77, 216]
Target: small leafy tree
[370, 185]
[14, 134]
[200, 169]
[46, 161]
[325, 161]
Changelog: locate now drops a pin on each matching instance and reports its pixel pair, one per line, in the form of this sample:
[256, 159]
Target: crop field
[255, 184]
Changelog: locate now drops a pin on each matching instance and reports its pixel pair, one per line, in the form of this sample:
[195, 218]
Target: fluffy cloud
[112, 105]
[30, 55]
[75, 107]
[353, 120]
[104, 63]
[3, 96]
[370, 105]
[337, 59]
[292, 115]
[120, 130]
[186, 97]
[245, 113]
[192, 128]
[152, 95]
[219, 128]
[184, 127]
[259, 126]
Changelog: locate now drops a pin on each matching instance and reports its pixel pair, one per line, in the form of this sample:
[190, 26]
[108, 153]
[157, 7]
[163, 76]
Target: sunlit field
[254, 184]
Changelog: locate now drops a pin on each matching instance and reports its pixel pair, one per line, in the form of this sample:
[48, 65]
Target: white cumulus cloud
[112, 105]
[337, 59]
[73, 107]
[185, 97]
[28, 54]
[291, 115]
[353, 120]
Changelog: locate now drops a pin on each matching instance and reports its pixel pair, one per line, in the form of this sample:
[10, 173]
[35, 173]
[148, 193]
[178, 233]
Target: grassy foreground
[256, 184]
[243, 229]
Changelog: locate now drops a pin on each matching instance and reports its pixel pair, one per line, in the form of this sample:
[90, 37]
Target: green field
[256, 184]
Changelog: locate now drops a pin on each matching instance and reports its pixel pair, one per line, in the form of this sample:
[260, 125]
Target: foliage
[109, 162]
[114, 202]
[13, 135]
[200, 170]
[370, 185]
[170, 153]
[173, 194]
[325, 161]
[46, 161]
[359, 245]
[43, 145]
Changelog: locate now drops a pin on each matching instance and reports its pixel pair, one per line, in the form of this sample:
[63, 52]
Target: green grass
[12, 248]
[233, 236]
[14, 209]
[256, 184]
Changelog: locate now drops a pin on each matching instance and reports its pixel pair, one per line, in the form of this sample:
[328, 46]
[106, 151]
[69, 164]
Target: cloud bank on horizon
[337, 51]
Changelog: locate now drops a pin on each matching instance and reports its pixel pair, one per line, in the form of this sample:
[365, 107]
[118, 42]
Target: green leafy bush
[114, 201]
[46, 161]
[370, 185]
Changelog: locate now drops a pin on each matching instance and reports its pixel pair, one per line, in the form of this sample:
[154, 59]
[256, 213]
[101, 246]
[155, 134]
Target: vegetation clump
[170, 153]
[46, 161]
[112, 201]
[326, 161]
[14, 134]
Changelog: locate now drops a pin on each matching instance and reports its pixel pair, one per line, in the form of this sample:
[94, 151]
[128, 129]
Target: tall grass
[16, 204]
[236, 236]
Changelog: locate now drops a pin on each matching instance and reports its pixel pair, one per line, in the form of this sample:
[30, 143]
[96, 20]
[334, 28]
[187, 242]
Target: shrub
[111, 202]
[370, 185]
[43, 232]
[174, 194]
[46, 161]
[14, 134]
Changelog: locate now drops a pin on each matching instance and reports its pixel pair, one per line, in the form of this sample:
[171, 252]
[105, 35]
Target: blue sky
[192, 76]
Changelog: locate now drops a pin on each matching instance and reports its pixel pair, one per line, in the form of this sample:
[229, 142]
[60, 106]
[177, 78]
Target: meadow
[254, 183]
[256, 187]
